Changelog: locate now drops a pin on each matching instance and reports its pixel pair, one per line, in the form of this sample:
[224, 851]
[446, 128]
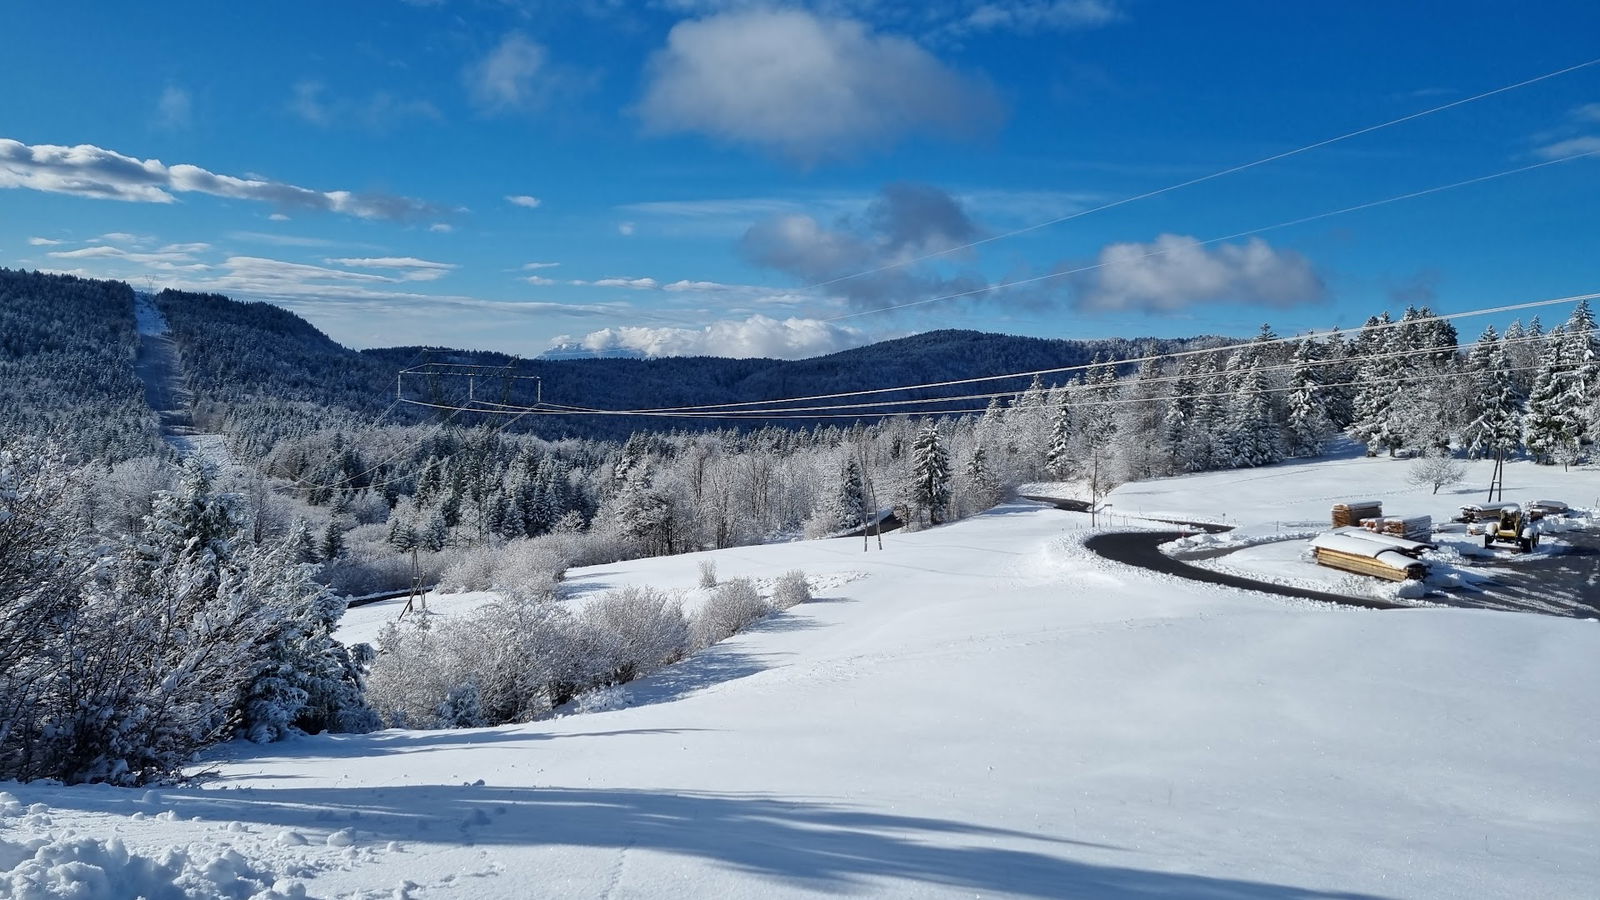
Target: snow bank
[88, 868]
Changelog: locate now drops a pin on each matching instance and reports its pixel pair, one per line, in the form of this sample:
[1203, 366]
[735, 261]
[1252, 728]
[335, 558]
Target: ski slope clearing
[980, 709]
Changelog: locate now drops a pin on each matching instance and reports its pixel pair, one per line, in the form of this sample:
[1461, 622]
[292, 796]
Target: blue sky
[696, 176]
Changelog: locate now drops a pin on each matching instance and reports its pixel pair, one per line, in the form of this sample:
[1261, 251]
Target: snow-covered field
[982, 709]
[1296, 494]
[1278, 509]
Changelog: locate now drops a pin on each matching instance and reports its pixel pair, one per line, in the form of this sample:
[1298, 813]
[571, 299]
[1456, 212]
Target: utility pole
[418, 598]
[1094, 489]
[1497, 482]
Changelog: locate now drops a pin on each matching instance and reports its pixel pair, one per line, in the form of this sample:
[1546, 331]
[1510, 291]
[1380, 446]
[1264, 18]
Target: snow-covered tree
[930, 474]
[1495, 425]
[1251, 438]
[1556, 407]
[1060, 459]
[1436, 471]
[1308, 421]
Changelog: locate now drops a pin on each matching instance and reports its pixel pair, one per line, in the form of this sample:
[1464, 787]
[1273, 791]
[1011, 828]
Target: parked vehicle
[1511, 525]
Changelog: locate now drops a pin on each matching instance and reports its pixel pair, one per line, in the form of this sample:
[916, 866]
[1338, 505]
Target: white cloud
[280, 240]
[756, 336]
[626, 229]
[441, 228]
[174, 109]
[278, 217]
[507, 79]
[535, 266]
[409, 267]
[89, 171]
[1577, 146]
[42, 242]
[1040, 15]
[632, 284]
[391, 262]
[1175, 272]
[806, 87]
[540, 280]
[169, 259]
[378, 112]
[939, 17]
[523, 200]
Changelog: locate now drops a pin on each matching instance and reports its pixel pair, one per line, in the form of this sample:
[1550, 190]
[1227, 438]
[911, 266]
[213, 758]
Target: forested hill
[67, 348]
[700, 381]
[261, 373]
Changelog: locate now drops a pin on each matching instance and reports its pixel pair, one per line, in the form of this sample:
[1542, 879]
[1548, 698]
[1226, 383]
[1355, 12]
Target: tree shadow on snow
[395, 742]
[711, 666]
[794, 844]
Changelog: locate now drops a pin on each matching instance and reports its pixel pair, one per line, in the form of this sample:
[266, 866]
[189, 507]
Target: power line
[1212, 176]
[791, 412]
[742, 406]
[1274, 368]
[1115, 401]
[1217, 240]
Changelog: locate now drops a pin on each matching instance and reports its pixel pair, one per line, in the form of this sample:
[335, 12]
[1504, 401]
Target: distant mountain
[578, 351]
[260, 373]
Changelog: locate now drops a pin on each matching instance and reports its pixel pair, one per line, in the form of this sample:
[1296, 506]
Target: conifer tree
[930, 474]
[850, 501]
[1059, 458]
[1495, 425]
[1553, 425]
[1308, 423]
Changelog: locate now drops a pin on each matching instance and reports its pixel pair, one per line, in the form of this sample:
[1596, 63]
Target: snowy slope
[1299, 492]
[986, 710]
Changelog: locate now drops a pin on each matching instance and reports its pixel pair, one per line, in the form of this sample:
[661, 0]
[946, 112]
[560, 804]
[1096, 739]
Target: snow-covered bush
[734, 606]
[648, 627]
[708, 573]
[520, 655]
[601, 699]
[472, 570]
[530, 566]
[119, 662]
[791, 590]
[461, 708]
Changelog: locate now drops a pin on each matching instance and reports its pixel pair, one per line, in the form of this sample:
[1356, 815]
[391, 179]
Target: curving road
[1142, 550]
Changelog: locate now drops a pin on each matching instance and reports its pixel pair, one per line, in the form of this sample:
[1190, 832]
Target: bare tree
[1436, 471]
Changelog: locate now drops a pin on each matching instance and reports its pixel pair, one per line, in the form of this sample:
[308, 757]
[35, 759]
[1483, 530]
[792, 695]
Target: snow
[983, 708]
[147, 317]
[211, 448]
[362, 624]
[1302, 492]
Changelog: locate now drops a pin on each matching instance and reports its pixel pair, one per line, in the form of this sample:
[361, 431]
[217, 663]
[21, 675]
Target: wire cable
[1179, 354]
[1214, 175]
[1217, 240]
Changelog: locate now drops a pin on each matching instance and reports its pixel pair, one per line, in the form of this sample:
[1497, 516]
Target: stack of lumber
[1355, 511]
[1366, 553]
[1416, 528]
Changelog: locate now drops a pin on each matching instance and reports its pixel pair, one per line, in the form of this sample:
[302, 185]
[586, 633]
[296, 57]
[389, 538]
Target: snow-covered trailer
[1379, 555]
